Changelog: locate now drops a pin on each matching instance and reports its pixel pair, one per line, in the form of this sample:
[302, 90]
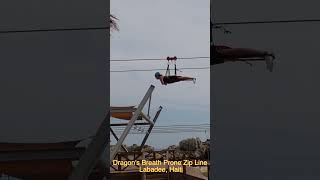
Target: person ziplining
[227, 54]
[221, 54]
[168, 78]
[172, 79]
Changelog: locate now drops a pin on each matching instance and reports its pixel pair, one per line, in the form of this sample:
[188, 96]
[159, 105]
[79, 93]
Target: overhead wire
[181, 128]
[105, 27]
[202, 128]
[156, 59]
[171, 132]
[178, 126]
[163, 131]
[146, 70]
[53, 30]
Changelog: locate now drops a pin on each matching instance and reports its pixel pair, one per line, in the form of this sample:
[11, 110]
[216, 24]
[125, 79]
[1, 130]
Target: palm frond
[113, 23]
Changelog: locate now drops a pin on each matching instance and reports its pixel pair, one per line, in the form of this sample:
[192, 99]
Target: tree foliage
[190, 144]
[193, 148]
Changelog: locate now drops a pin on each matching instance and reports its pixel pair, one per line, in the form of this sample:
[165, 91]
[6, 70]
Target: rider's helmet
[157, 75]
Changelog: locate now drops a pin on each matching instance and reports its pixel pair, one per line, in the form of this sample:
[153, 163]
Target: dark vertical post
[212, 121]
[150, 128]
[116, 137]
[119, 165]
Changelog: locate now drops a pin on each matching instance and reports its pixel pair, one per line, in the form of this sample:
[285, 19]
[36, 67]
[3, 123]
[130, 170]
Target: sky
[267, 123]
[157, 29]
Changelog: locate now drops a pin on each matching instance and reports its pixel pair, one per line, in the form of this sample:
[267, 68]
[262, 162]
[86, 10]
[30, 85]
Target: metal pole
[131, 122]
[149, 106]
[116, 137]
[150, 128]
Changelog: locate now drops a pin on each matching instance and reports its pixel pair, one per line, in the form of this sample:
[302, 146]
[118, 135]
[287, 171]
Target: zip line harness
[171, 60]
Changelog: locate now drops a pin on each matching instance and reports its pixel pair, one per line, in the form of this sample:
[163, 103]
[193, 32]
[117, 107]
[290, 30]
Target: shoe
[269, 62]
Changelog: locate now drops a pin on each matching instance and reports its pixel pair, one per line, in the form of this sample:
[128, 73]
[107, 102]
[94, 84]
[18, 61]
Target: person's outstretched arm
[162, 82]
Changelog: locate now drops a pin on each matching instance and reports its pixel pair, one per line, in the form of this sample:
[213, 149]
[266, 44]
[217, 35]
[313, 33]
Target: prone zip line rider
[221, 54]
[172, 79]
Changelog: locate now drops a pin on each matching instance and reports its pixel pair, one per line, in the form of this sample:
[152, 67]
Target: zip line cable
[52, 30]
[267, 22]
[157, 59]
[147, 70]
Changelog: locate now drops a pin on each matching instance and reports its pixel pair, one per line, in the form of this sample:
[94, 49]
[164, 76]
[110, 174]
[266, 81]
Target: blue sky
[157, 29]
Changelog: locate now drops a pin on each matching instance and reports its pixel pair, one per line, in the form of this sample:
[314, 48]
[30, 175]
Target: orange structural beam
[124, 116]
[124, 112]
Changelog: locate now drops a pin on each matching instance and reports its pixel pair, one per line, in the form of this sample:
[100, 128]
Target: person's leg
[174, 79]
[182, 78]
